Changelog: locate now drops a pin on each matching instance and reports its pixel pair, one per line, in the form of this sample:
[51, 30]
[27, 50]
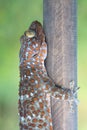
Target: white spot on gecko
[26, 54]
[29, 77]
[31, 94]
[21, 97]
[31, 73]
[36, 82]
[27, 96]
[22, 119]
[29, 117]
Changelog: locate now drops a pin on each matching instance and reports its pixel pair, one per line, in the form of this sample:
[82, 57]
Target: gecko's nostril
[30, 34]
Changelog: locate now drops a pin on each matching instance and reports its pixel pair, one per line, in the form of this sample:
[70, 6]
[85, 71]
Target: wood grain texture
[62, 116]
[60, 27]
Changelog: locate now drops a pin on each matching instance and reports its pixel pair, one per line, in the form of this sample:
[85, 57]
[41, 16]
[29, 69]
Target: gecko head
[38, 29]
[33, 42]
[34, 31]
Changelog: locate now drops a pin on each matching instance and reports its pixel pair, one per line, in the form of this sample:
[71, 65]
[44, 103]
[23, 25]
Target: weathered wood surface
[59, 19]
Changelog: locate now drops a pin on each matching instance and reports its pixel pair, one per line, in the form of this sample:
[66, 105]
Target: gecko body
[36, 88]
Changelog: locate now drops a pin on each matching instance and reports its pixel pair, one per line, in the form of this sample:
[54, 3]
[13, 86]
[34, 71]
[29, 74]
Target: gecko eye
[30, 34]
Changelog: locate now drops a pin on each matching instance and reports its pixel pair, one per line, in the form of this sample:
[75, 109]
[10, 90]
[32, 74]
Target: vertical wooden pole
[59, 19]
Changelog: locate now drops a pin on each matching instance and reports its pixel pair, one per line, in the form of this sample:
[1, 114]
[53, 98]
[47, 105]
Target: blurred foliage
[82, 63]
[15, 18]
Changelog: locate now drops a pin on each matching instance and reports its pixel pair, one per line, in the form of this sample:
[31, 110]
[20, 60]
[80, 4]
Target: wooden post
[59, 19]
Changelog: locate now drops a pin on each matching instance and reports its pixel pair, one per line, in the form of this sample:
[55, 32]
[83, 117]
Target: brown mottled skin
[36, 87]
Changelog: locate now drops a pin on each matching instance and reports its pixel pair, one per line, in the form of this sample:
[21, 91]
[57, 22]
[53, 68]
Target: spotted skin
[36, 88]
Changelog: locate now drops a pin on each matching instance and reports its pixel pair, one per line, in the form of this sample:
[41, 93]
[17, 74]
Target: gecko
[36, 87]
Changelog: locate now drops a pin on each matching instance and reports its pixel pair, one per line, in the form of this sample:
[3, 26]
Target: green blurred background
[15, 18]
